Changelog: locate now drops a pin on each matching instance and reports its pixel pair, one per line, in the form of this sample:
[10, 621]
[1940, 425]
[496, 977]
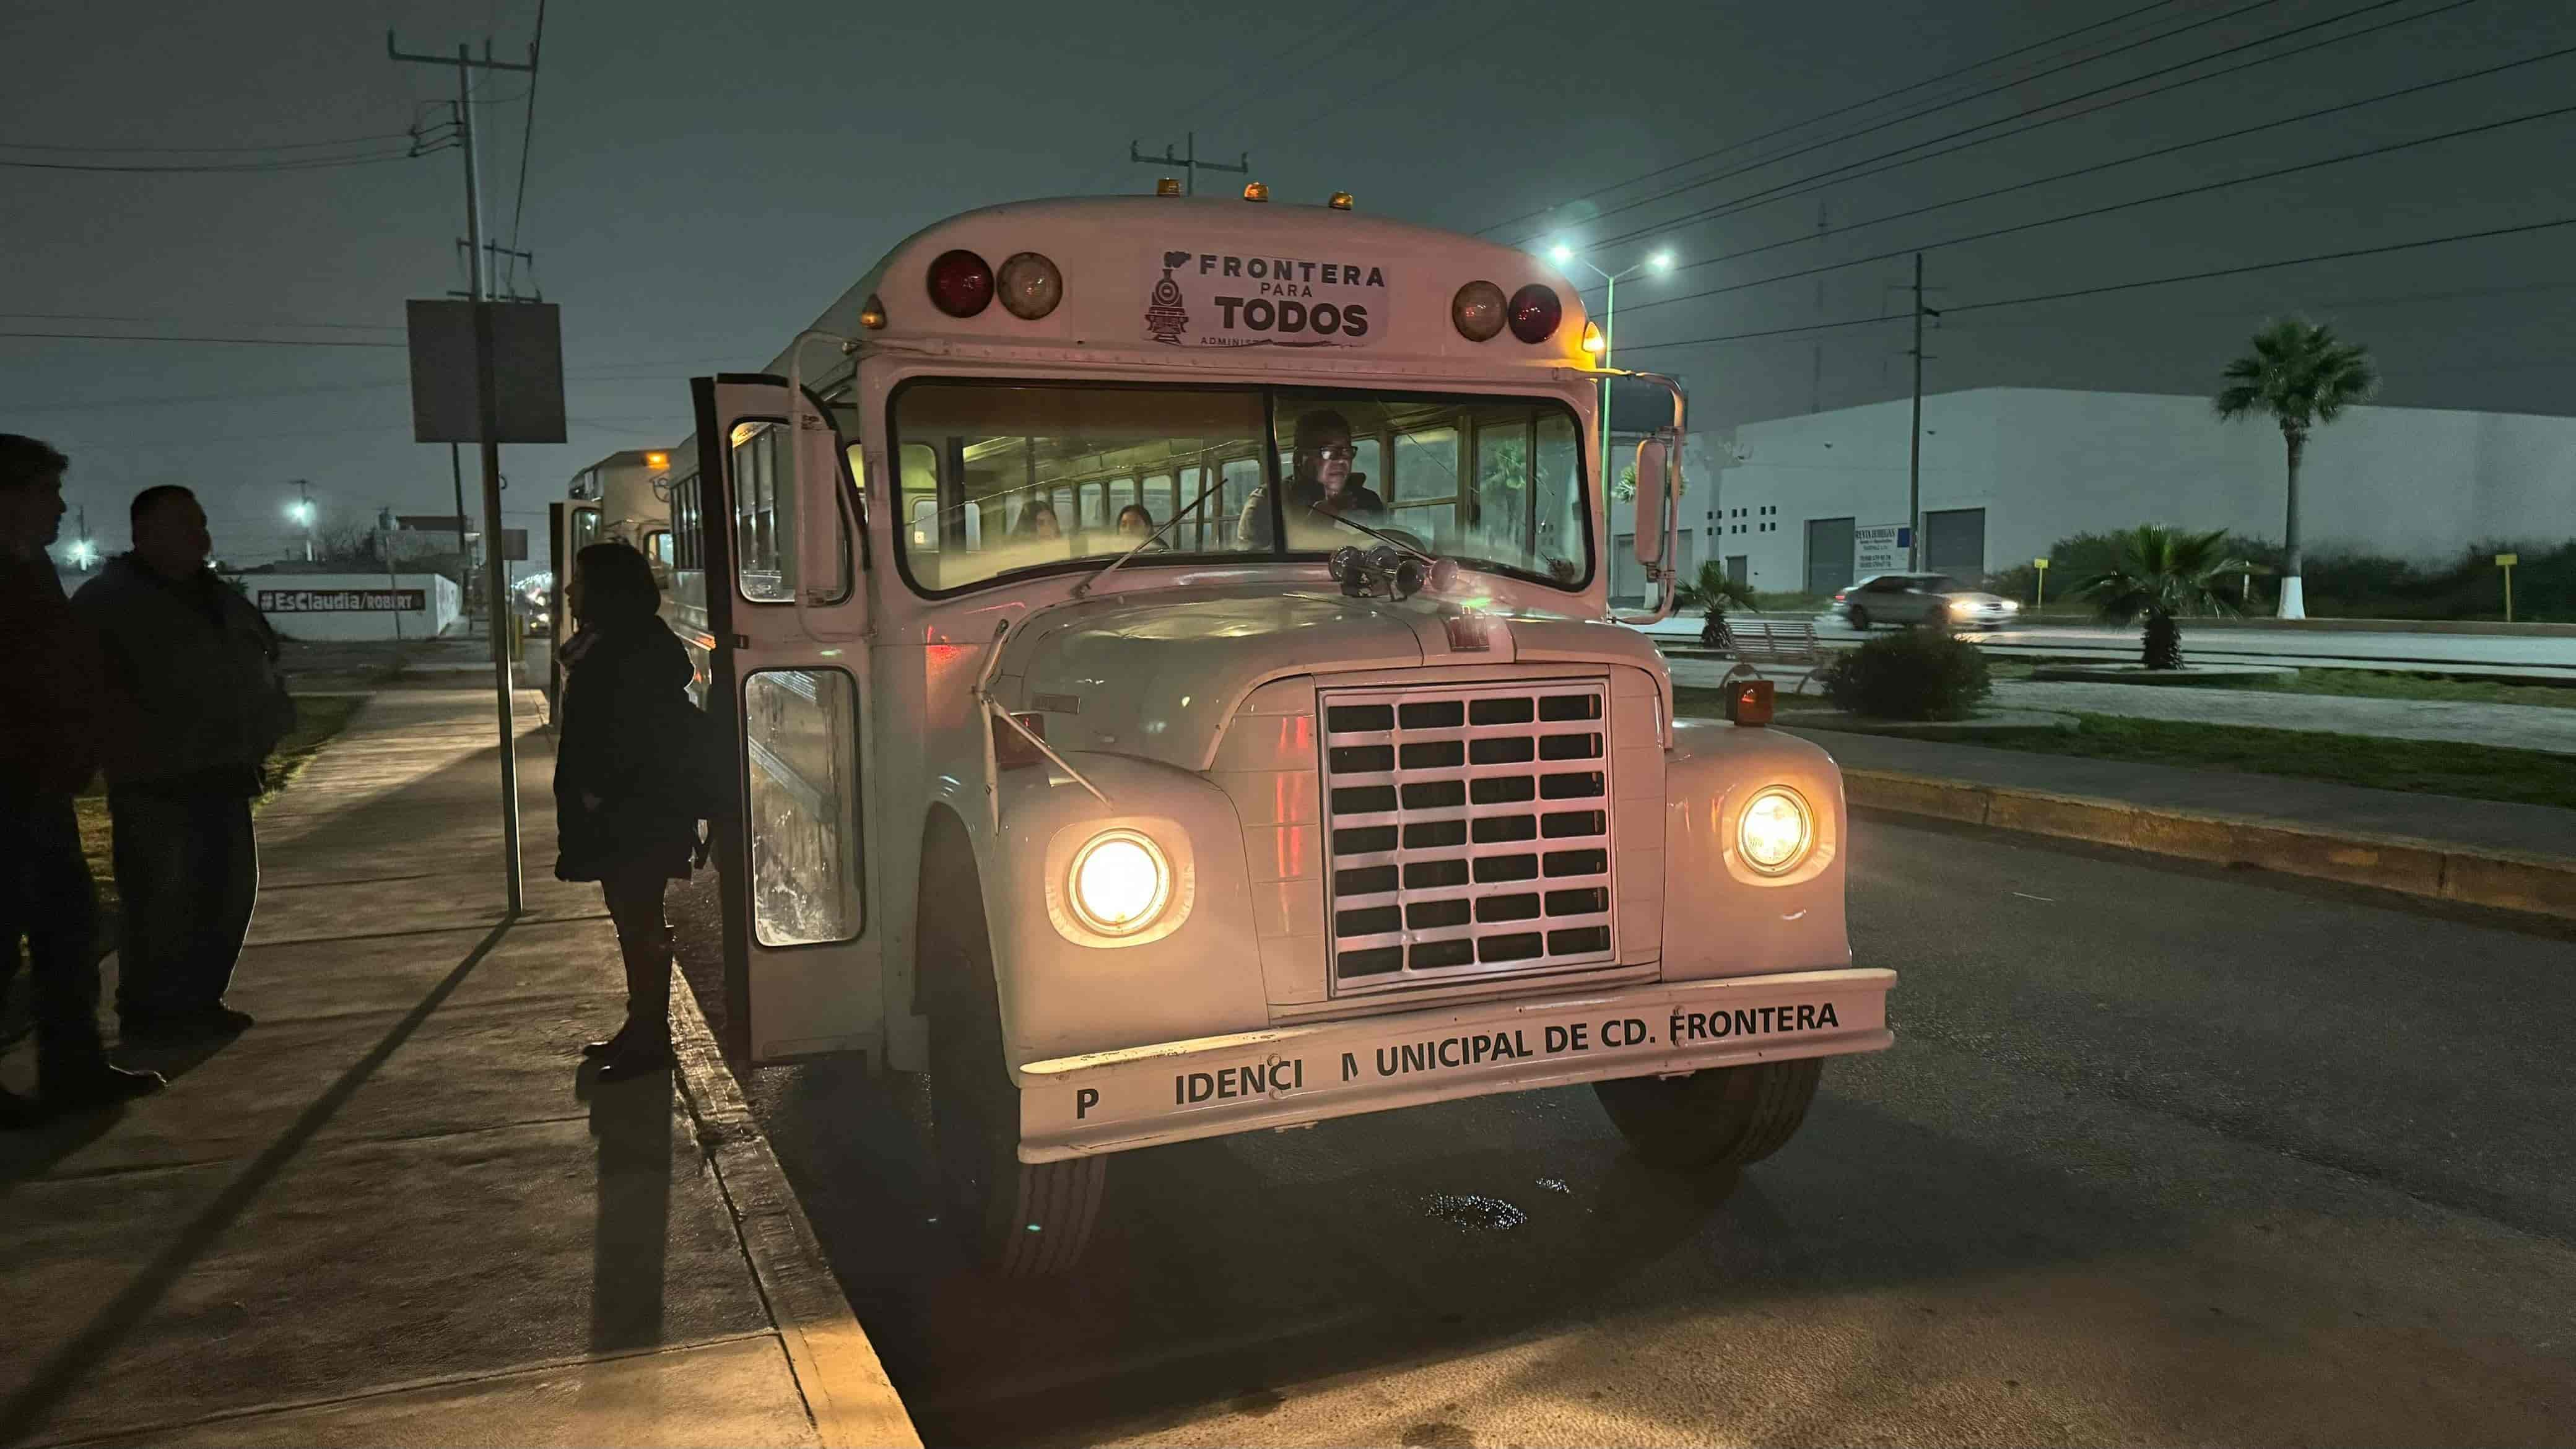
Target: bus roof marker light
[1167, 186]
[657, 460]
[1592, 340]
[1256, 191]
[961, 284]
[1477, 311]
[1535, 312]
[1030, 286]
[1341, 201]
[872, 313]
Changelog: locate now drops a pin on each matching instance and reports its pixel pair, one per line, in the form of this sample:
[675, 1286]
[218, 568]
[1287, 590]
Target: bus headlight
[1119, 882]
[1775, 832]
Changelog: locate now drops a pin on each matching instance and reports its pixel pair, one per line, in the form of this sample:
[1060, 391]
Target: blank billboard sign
[527, 372]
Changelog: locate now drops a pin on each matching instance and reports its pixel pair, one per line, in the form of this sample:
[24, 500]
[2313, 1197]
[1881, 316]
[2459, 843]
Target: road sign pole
[2506, 561]
[2040, 598]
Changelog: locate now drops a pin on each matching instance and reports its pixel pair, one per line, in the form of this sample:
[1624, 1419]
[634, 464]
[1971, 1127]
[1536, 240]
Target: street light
[301, 510]
[1659, 263]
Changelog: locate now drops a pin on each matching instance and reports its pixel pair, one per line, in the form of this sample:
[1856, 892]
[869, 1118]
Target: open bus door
[787, 688]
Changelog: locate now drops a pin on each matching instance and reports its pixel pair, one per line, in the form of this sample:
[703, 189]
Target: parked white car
[1921, 599]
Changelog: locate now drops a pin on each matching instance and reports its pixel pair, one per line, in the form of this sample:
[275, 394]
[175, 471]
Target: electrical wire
[234, 167]
[2111, 287]
[1835, 140]
[1822, 116]
[1848, 171]
[209, 150]
[527, 138]
[243, 341]
[204, 321]
[1740, 254]
[2104, 210]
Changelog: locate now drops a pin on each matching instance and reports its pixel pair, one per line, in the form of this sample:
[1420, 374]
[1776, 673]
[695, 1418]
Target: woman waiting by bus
[622, 810]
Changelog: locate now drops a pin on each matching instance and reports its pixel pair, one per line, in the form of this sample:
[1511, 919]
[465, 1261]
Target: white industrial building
[354, 606]
[1802, 503]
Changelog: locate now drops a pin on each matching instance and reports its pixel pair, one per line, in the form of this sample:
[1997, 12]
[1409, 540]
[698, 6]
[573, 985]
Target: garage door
[1954, 543]
[1829, 554]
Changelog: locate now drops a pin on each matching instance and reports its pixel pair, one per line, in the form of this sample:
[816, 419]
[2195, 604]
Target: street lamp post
[301, 510]
[1659, 263]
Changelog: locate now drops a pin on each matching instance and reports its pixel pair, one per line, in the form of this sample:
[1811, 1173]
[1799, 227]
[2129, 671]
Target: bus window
[765, 520]
[1014, 447]
[1491, 482]
[800, 731]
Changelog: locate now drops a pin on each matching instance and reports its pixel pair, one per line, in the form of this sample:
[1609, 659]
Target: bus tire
[1723, 1117]
[1019, 1219]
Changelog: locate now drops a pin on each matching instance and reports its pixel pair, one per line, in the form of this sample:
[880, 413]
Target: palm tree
[2299, 375]
[1713, 590]
[2163, 573]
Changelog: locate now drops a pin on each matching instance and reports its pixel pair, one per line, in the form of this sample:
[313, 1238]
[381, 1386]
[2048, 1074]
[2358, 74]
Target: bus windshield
[1007, 478]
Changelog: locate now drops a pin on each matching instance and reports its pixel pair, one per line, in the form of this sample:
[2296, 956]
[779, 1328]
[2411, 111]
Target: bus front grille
[1467, 831]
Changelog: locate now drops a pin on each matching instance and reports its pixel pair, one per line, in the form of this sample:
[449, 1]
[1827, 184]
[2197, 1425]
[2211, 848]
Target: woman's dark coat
[623, 687]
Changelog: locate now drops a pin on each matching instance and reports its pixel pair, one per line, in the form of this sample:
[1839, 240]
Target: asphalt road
[2162, 1155]
[2514, 656]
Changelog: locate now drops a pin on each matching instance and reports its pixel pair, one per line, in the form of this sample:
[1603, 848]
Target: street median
[2505, 880]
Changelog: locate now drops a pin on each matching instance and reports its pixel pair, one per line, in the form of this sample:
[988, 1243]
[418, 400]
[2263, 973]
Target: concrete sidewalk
[397, 1210]
[2481, 852]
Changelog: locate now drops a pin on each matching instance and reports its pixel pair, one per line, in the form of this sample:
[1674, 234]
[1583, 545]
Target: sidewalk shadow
[631, 1123]
[26, 1411]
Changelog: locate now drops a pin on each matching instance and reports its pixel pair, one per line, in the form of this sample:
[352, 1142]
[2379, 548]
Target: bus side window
[765, 520]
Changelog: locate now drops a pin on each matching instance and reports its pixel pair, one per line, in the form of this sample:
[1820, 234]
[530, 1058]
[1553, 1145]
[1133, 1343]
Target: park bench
[1777, 644]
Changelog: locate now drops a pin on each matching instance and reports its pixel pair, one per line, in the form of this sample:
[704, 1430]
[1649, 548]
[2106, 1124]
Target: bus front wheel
[1021, 1219]
[1719, 1118]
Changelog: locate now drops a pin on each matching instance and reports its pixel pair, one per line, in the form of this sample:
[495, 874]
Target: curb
[845, 1387]
[2504, 880]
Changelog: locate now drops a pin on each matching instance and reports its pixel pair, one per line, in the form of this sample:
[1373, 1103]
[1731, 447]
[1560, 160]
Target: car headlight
[1775, 831]
[1119, 882]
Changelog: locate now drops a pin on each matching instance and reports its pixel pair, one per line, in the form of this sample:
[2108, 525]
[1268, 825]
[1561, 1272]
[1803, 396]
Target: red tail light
[1838, 598]
[1535, 313]
[961, 285]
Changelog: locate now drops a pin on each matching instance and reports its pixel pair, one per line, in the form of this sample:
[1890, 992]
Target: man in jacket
[194, 703]
[46, 721]
[1320, 481]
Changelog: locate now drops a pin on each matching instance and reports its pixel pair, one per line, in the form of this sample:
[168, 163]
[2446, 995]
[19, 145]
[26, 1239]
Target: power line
[1851, 226]
[2104, 210]
[205, 321]
[311, 164]
[1881, 125]
[1821, 116]
[1850, 171]
[527, 137]
[243, 341]
[2110, 287]
[211, 150]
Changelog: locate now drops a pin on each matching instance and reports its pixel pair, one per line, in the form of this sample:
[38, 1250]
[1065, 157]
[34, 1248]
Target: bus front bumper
[1299, 1075]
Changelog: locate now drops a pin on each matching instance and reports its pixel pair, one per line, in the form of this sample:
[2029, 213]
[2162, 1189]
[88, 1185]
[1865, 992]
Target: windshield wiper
[1215, 480]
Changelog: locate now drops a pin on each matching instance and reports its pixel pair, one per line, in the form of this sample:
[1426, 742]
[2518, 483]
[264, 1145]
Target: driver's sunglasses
[1342, 454]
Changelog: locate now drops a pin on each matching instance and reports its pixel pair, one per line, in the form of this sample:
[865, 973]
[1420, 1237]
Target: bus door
[787, 691]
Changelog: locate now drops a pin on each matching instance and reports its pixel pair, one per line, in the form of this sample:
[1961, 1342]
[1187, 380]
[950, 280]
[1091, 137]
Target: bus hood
[1157, 675]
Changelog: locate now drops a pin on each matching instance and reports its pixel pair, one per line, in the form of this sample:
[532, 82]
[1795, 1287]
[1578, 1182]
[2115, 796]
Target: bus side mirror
[1654, 461]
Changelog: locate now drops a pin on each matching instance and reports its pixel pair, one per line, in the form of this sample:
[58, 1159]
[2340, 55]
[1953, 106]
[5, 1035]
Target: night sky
[702, 180]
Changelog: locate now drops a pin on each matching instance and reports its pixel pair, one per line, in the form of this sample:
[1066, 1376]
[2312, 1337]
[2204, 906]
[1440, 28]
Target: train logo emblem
[1166, 319]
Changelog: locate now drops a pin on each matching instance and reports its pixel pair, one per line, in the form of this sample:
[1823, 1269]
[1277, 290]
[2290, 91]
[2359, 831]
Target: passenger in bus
[624, 813]
[1038, 521]
[1321, 482]
[1135, 524]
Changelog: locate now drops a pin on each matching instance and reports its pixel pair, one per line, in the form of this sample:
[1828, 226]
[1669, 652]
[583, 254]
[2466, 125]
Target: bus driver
[1323, 483]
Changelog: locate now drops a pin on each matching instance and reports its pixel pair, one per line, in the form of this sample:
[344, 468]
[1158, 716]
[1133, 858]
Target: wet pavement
[2162, 1154]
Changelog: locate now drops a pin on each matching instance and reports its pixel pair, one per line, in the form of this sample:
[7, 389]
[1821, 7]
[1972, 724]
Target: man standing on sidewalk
[46, 722]
[194, 703]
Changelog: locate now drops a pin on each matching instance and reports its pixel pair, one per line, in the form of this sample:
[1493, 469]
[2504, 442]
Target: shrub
[1911, 674]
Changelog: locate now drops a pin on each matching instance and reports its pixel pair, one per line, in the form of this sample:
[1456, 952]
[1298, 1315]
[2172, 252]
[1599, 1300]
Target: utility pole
[495, 568]
[1914, 470]
[1189, 162]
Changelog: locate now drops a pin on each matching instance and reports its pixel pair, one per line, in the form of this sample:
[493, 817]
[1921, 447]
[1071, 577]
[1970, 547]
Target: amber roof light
[1256, 191]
